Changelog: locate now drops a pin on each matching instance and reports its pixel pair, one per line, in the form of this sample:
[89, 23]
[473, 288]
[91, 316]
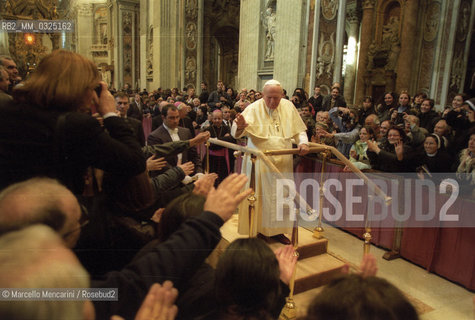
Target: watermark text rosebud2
[437, 202]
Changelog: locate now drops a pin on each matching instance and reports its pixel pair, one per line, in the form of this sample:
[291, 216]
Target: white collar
[170, 130]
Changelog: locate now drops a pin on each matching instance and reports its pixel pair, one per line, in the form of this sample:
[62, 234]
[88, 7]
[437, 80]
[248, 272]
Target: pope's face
[272, 96]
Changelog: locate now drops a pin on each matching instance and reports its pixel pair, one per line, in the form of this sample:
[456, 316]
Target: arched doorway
[221, 42]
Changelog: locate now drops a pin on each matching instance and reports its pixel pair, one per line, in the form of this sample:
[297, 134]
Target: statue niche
[384, 50]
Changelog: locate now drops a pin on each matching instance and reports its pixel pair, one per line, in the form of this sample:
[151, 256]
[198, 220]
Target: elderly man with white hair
[269, 123]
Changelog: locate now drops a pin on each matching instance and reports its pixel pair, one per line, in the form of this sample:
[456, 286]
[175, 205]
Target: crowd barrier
[446, 251]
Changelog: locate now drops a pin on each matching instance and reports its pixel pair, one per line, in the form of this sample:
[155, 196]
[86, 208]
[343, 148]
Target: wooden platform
[315, 266]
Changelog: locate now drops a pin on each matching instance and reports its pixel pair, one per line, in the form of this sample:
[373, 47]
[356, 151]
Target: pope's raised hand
[240, 121]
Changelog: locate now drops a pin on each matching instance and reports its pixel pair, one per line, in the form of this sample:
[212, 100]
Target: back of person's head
[60, 82]
[38, 201]
[353, 297]
[247, 279]
[35, 257]
[186, 206]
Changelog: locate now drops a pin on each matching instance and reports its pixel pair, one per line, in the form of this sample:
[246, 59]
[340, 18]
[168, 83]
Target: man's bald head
[40, 200]
[35, 257]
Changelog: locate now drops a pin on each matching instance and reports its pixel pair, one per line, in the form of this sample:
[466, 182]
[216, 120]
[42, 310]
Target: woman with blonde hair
[48, 130]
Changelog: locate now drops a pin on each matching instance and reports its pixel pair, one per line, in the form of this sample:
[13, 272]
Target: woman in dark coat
[394, 155]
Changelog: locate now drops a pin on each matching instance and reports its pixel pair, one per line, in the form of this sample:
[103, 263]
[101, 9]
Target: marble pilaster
[250, 21]
[316, 32]
[446, 58]
[408, 39]
[340, 35]
[365, 40]
[144, 9]
[353, 18]
[168, 44]
[288, 43]
[84, 31]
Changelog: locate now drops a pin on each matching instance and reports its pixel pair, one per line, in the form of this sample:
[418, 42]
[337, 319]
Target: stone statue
[392, 57]
[371, 53]
[268, 20]
[391, 31]
[150, 55]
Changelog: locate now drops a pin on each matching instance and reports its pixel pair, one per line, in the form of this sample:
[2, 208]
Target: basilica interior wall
[387, 45]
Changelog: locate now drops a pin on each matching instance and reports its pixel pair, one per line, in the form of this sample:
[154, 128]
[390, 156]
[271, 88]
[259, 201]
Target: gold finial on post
[367, 240]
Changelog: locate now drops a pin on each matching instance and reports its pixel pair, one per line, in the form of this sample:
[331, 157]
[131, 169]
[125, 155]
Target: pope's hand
[241, 122]
[303, 149]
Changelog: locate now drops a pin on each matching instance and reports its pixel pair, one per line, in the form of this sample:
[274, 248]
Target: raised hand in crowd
[158, 303]
[394, 115]
[287, 258]
[224, 200]
[154, 163]
[399, 149]
[157, 215]
[204, 184]
[369, 266]
[373, 146]
[199, 138]
[187, 167]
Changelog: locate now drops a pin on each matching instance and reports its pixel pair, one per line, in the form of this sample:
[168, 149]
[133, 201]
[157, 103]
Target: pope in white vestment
[269, 123]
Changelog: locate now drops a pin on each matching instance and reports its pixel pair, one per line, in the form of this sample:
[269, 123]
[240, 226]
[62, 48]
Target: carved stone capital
[369, 4]
[85, 9]
[353, 16]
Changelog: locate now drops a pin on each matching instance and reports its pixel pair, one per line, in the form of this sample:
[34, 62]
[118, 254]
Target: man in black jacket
[123, 106]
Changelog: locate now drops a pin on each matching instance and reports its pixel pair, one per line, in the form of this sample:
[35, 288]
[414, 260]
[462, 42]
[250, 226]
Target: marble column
[408, 39]
[353, 19]
[340, 35]
[366, 37]
[288, 43]
[168, 43]
[144, 15]
[199, 48]
[249, 22]
[84, 29]
[4, 47]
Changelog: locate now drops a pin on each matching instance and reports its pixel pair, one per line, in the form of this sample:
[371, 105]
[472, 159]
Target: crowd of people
[90, 199]
[393, 135]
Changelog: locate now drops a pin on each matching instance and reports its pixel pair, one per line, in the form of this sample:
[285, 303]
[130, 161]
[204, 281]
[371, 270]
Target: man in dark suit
[219, 97]
[170, 131]
[316, 100]
[123, 105]
[136, 108]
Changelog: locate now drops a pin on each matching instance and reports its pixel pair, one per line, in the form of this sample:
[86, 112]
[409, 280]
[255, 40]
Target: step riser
[311, 250]
[315, 280]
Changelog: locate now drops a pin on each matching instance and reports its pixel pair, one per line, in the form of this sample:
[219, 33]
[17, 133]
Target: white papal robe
[269, 130]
